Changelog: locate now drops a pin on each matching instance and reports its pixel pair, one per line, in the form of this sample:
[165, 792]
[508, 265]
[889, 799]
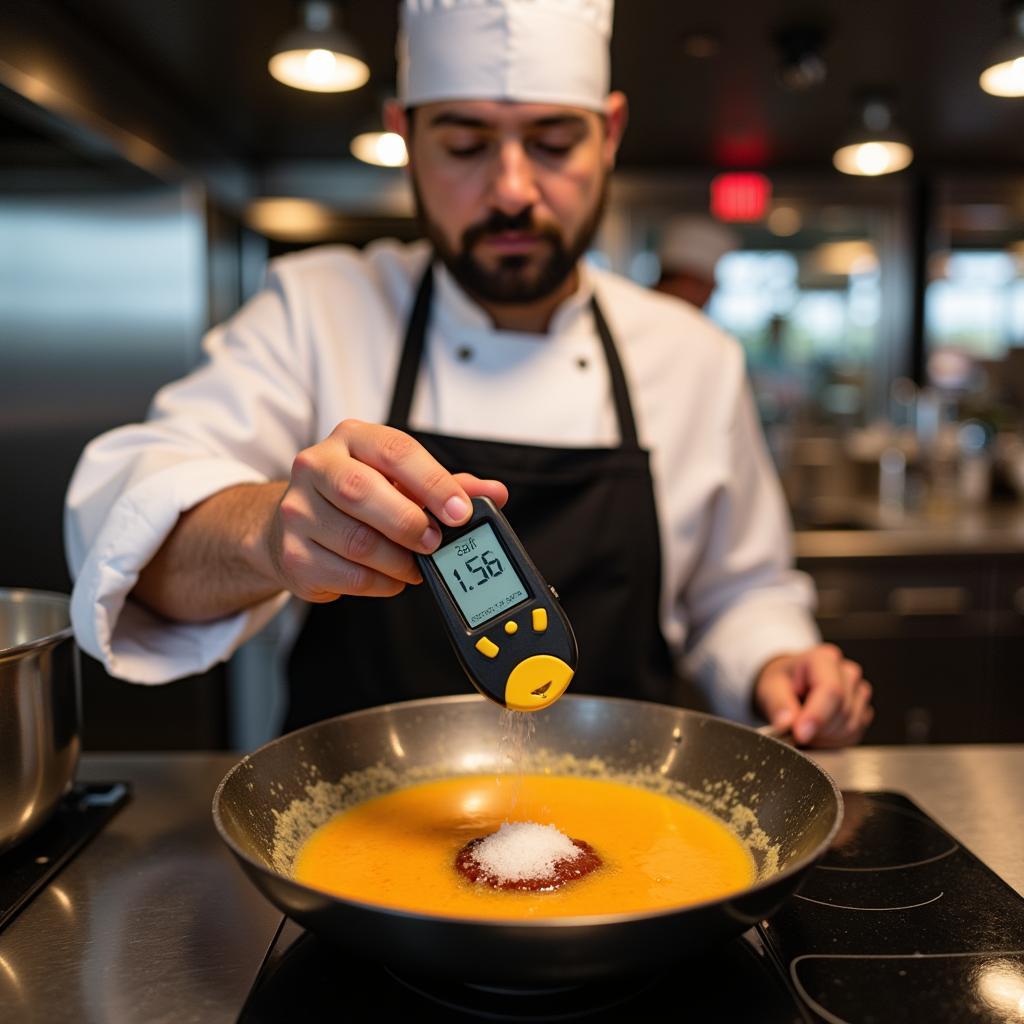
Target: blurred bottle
[902, 403]
[936, 429]
[892, 480]
[974, 471]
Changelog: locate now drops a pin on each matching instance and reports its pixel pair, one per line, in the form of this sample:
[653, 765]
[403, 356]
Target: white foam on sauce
[524, 849]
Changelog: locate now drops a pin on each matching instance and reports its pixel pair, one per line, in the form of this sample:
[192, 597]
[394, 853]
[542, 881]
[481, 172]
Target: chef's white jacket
[321, 344]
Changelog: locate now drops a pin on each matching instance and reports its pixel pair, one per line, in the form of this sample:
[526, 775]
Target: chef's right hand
[353, 513]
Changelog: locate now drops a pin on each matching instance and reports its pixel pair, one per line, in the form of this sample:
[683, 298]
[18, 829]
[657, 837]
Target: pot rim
[26, 595]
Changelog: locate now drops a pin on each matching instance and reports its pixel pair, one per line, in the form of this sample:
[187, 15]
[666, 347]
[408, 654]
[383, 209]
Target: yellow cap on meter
[536, 682]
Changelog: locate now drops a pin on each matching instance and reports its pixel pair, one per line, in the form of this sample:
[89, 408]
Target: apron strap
[412, 351]
[412, 355]
[620, 392]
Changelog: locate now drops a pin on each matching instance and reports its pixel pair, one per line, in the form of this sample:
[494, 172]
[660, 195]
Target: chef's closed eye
[557, 141]
[550, 149]
[464, 144]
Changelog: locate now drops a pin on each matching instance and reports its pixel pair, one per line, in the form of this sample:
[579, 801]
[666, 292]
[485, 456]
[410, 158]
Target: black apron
[586, 515]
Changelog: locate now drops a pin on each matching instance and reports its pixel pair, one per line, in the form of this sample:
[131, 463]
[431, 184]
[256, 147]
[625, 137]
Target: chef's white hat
[527, 51]
[695, 244]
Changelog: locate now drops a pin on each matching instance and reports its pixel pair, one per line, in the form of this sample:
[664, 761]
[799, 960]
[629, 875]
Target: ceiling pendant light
[1004, 75]
[875, 147]
[373, 145]
[382, 149]
[290, 219]
[318, 56]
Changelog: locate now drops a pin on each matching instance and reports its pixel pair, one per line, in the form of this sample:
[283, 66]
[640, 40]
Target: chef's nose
[514, 186]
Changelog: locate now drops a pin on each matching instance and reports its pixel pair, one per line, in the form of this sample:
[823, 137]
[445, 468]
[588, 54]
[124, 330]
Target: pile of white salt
[522, 850]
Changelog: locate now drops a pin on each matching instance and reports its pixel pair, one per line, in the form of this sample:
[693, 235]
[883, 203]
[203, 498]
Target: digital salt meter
[504, 621]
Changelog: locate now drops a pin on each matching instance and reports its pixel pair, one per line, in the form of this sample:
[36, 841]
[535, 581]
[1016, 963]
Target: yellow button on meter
[536, 682]
[511, 627]
[487, 647]
[540, 620]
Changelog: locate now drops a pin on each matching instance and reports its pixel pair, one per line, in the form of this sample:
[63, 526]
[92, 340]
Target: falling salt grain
[524, 849]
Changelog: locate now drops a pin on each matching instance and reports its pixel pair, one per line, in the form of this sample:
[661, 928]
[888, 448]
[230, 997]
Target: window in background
[975, 302]
[808, 322]
[816, 292]
[974, 311]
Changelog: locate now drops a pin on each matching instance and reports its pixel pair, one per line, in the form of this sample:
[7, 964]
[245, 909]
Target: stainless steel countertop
[975, 792]
[154, 922]
[882, 533]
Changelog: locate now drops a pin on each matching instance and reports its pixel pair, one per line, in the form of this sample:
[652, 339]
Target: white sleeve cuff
[132, 642]
[741, 642]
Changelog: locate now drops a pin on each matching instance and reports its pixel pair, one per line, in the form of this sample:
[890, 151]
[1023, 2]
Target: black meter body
[504, 621]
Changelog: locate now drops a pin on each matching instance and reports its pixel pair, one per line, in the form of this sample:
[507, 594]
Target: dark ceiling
[34, 142]
[208, 59]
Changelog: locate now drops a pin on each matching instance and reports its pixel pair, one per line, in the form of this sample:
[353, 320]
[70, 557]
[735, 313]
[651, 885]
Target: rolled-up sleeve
[745, 603]
[239, 418]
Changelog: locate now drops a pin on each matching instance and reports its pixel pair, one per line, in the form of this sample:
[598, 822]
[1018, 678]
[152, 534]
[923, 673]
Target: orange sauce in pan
[398, 850]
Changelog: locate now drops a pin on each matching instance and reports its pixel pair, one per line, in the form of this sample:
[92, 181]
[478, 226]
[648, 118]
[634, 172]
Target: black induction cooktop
[899, 923]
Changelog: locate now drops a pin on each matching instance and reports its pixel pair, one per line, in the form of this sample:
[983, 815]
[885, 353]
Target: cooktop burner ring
[897, 867]
[871, 910]
[872, 823]
[987, 1001]
[504, 1003]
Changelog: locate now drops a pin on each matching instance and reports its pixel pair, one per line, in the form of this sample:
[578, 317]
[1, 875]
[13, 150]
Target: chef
[361, 395]
[688, 254]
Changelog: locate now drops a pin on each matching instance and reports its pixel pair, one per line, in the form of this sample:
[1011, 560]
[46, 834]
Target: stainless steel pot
[39, 709]
[798, 810]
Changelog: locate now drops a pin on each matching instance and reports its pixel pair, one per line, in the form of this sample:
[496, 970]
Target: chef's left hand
[819, 695]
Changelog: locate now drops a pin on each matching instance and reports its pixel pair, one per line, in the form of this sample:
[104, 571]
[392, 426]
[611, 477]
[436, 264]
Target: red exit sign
[740, 196]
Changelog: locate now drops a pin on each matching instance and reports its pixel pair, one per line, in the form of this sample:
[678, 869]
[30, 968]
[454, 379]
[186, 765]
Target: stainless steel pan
[737, 773]
[39, 709]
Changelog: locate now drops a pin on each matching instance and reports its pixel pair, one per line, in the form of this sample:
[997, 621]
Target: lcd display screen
[479, 575]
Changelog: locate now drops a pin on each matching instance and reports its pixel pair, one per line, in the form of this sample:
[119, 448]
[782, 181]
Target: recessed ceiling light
[700, 45]
[845, 259]
[784, 221]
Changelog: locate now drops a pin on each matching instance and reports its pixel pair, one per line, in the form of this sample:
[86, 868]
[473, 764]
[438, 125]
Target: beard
[515, 279]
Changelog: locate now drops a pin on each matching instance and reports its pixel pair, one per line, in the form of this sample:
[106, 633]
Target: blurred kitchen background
[150, 165]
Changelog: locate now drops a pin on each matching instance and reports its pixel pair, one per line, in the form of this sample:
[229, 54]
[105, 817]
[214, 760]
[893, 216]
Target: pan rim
[533, 924]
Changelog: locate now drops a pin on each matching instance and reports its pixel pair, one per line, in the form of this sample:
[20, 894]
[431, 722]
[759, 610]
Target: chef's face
[510, 193]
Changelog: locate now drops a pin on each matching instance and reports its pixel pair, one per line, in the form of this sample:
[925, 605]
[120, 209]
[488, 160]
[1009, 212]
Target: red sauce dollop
[567, 870]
